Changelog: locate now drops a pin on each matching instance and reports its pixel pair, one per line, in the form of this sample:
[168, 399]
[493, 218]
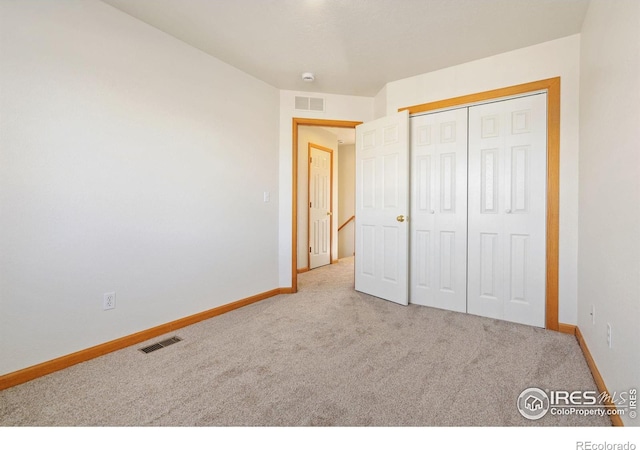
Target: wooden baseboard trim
[287, 290]
[567, 329]
[616, 421]
[303, 270]
[45, 368]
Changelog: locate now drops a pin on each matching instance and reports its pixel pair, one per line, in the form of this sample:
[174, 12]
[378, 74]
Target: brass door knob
[329, 213]
[400, 218]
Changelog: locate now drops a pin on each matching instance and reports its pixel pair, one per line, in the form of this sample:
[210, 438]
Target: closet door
[507, 210]
[438, 216]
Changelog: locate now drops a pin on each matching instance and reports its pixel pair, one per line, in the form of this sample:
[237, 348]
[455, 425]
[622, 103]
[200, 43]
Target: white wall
[551, 59]
[324, 138]
[380, 103]
[337, 107]
[129, 162]
[347, 203]
[609, 247]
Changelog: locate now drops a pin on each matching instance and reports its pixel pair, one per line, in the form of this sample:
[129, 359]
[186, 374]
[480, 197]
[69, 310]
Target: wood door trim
[552, 87]
[330, 151]
[296, 122]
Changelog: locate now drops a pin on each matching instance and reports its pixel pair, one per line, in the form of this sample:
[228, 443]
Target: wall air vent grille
[316, 104]
[309, 103]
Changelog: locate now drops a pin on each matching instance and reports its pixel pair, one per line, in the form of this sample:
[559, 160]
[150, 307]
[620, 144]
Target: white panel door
[320, 166]
[507, 210]
[438, 269]
[382, 205]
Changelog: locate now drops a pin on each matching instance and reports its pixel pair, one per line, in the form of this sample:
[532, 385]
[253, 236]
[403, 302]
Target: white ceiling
[355, 46]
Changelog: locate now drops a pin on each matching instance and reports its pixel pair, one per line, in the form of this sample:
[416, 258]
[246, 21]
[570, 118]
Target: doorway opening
[300, 164]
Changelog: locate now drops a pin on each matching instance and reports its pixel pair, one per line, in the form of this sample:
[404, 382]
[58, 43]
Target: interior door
[320, 207]
[382, 205]
[507, 210]
[439, 210]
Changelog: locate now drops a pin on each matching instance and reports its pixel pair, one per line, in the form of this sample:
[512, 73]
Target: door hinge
[311, 159]
[309, 204]
[309, 249]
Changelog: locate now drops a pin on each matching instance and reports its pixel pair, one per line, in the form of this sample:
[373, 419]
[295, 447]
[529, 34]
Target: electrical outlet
[609, 335]
[109, 301]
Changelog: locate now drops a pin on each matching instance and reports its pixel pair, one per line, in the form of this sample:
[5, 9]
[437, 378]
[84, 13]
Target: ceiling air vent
[309, 103]
[161, 344]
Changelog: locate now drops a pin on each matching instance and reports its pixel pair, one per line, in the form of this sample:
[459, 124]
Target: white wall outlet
[609, 335]
[109, 300]
[267, 196]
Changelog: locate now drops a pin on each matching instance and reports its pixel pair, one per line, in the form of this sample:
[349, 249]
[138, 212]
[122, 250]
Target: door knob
[432, 211]
[508, 211]
[400, 218]
[329, 213]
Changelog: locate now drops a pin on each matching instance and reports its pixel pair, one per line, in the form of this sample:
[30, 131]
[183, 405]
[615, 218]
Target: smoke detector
[308, 77]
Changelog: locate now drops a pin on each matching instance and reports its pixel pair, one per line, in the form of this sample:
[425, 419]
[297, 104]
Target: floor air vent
[161, 344]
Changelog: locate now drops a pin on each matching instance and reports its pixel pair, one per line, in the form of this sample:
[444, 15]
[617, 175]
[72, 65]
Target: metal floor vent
[161, 344]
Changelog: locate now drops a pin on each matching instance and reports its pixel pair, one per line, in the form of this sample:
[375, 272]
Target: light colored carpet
[326, 356]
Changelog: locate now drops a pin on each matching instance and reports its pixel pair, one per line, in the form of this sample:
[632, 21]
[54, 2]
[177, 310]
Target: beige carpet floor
[326, 356]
